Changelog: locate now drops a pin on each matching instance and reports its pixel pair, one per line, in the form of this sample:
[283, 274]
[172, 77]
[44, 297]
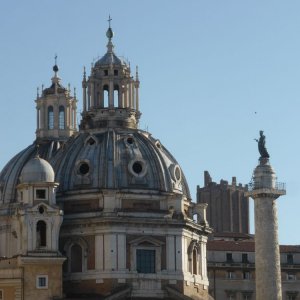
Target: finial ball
[55, 68]
[109, 33]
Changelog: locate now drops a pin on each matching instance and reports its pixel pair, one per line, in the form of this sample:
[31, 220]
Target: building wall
[228, 208]
[236, 279]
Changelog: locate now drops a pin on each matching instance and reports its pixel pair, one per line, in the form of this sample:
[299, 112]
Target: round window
[130, 140]
[137, 167]
[84, 168]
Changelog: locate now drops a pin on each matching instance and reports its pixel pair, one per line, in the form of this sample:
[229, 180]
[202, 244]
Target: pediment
[146, 241]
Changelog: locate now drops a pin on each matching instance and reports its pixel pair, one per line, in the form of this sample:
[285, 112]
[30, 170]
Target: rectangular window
[40, 194]
[42, 282]
[230, 275]
[116, 72]
[290, 259]
[291, 276]
[245, 258]
[246, 275]
[229, 257]
[1, 295]
[145, 261]
[246, 297]
[291, 296]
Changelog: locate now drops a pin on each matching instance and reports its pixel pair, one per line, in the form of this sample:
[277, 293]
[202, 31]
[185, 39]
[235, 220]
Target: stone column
[84, 96]
[137, 95]
[171, 252]
[267, 256]
[130, 95]
[111, 94]
[92, 95]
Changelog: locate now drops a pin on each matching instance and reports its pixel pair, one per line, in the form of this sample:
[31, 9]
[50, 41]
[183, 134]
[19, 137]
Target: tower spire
[55, 110]
[109, 20]
[55, 67]
[109, 34]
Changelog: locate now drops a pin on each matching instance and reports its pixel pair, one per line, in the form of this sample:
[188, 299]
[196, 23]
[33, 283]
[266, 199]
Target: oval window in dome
[129, 140]
[177, 173]
[84, 168]
[138, 167]
[158, 144]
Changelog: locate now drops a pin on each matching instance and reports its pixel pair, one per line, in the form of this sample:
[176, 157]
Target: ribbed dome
[108, 59]
[37, 170]
[120, 159]
[10, 175]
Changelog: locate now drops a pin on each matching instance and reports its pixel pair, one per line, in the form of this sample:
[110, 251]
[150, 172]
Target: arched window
[194, 257]
[41, 236]
[116, 96]
[105, 96]
[50, 118]
[61, 118]
[76, 258]
[195, 218]
[195, 261]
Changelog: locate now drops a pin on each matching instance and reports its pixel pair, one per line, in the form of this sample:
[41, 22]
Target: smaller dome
[37, 170]
[108, 59]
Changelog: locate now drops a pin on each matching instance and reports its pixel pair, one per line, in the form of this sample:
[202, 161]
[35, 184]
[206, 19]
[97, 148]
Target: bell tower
[110, 93]
[56, 111]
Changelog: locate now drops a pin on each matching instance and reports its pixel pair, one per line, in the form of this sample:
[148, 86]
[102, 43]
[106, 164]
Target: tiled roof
[233, 235]
[245, 246]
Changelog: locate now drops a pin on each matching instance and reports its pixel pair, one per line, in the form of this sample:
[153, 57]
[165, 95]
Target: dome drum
[110, 118]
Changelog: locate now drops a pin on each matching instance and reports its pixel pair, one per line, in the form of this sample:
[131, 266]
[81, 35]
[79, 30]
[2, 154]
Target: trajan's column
[265, 190]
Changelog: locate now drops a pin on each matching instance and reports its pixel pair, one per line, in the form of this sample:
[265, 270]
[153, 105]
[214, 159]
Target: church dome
[11, 174]
[108, 153]
[108, 59]
[37, 170]
[119, 159]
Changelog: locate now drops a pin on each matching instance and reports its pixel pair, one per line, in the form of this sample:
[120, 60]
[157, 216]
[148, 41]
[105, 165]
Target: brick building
[228, 208]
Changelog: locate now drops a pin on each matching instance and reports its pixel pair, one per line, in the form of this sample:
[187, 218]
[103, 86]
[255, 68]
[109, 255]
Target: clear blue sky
[205, 68]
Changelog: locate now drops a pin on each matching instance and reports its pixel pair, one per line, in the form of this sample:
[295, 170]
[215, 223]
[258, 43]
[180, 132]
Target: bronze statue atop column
[262, 145]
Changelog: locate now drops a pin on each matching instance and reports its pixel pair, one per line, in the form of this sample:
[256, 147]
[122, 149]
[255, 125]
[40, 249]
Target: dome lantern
[56, 111]
[110, 93]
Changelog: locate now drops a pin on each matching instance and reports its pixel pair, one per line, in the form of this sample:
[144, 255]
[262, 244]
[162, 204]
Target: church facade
[99, 212]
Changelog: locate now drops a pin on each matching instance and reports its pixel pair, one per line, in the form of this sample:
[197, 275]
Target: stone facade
[232, 274]
[103, 212]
